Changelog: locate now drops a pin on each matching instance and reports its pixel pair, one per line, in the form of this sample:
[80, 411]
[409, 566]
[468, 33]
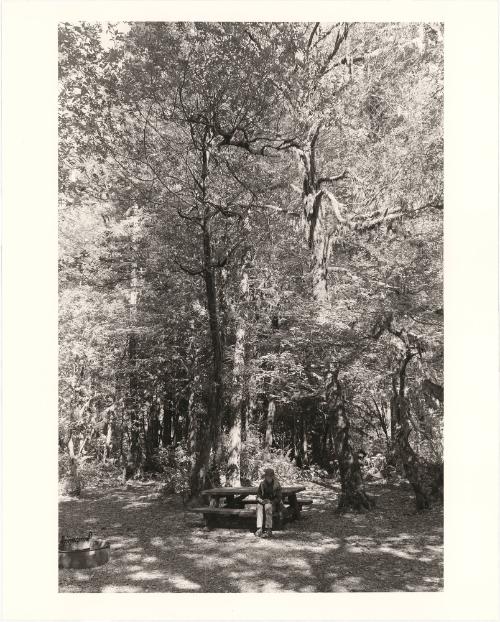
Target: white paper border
[29, 120]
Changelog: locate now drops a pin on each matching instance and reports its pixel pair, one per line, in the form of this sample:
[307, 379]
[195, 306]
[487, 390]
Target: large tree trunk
[134, 455]
[240, 391]
[199, 473]
[319, 229]
[411, 463]
[215, 399]
[353, 494]
[209, 437]
[318, 225]
[237, 408]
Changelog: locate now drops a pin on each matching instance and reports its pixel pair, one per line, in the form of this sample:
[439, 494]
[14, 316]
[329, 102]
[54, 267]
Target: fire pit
[83, 552]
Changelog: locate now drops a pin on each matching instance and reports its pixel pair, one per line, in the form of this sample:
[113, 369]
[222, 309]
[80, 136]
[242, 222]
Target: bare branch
[190, 271]
[311, 36]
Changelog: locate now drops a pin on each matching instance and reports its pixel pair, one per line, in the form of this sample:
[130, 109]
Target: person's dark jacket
[269, 492]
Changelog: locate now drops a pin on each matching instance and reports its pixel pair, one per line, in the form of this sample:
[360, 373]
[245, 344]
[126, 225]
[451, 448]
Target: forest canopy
[250, 253]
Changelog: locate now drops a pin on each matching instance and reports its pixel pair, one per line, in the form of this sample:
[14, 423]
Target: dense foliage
[251, 252]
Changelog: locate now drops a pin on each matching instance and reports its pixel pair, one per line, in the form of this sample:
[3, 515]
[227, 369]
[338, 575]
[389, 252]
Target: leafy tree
[251, 226]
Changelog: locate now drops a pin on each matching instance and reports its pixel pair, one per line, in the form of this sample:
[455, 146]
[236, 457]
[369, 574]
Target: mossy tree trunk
[353, 495]
[412, 465]
[239, 396]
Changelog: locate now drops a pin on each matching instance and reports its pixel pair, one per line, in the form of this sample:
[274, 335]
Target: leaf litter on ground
[157, 545]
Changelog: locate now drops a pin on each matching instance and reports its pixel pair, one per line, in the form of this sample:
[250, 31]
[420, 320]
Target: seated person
[268, 500]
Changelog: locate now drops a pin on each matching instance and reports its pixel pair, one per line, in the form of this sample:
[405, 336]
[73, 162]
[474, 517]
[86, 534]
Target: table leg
[294, 506]
[279, 517]
[214, 501]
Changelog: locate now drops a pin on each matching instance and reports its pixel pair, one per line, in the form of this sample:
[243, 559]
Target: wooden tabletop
[249, 490]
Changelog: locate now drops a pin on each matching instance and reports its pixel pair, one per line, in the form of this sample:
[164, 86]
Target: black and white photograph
[244, 249]
[250, 306]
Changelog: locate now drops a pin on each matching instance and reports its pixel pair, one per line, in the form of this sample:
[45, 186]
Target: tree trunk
[215, 398]
[192, 427]
[209, 437]
[240, 391]
[199, 473]
[134, 456]
[152, 438]
[409, 458]
[189, 414]
[72, 484]
[271, 412]
[166, 435]
[108, 445]
[237, 408]
[302, 451]
[244, 418]
[293, 439]
[319, 227]
[353, 491]
[317, 441]
[177, 424]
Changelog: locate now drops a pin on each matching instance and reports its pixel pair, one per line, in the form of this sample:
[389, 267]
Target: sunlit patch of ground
[158, 546]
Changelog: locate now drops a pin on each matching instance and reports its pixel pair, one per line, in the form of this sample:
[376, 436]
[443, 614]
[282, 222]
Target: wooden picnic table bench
[234, 502]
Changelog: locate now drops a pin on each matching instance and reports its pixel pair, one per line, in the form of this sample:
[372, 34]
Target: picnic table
[235, 502]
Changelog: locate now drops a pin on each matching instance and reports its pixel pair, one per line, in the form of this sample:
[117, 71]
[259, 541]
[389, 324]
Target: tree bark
[192, 427]
[353, 494]
[304, 446]
[199, 473]
[167, 419]
[189, 414]
[302, 449]
[239, 394]
[209, 436]
[134, 455]
[320, 226]
[72, 482]
[237, 408]
[293, 439]
[108, 446]
[271, 412]
[409, 458]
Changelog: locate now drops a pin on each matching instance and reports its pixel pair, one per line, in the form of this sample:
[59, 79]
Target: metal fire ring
[83, 552]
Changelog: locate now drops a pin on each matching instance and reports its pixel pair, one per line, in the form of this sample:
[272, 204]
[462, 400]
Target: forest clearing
[158, 546]
[251, 296]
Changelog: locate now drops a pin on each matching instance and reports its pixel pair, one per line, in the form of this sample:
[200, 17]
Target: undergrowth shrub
[90, 474]
[255, 458]
[176, 468]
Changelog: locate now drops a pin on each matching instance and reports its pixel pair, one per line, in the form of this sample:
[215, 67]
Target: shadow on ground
[157, 546]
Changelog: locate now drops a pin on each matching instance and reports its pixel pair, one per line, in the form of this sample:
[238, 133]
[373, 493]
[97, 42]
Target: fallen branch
[335, 487]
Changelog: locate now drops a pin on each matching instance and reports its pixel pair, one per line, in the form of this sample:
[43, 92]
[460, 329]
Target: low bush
[176, 467]
[255, 458]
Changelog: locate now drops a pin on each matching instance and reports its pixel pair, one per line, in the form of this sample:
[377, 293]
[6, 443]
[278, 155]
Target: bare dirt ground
[158, 546]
